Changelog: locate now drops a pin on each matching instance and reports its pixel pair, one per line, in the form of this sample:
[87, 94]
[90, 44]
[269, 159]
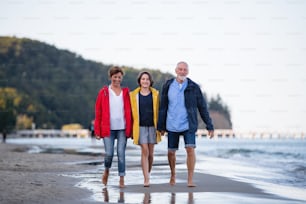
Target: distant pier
[255, 134]
[43, 133]
[219, 134]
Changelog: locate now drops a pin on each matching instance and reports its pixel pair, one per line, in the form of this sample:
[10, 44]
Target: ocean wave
[256, 152]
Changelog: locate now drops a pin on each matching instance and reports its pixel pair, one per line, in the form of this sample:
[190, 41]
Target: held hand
[98, 137]
[162, 132]
[211, 134]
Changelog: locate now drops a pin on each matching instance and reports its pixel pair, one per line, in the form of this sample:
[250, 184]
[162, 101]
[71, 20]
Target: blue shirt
[177, 118]
[195, 103]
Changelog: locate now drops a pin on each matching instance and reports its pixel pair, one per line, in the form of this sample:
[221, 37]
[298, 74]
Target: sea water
[277, 166]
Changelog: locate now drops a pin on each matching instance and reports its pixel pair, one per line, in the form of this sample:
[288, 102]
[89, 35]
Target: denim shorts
[147, 135]
[174, 139]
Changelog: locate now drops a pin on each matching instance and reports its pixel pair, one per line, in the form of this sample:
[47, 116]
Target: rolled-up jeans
[109, 143]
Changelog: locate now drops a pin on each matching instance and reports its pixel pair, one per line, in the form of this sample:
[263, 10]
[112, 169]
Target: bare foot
[172, 180]
[121, 182]
[146, 183]
[191, 185]
[105, 177]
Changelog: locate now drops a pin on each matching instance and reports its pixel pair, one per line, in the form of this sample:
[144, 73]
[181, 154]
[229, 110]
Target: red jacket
[102, 113]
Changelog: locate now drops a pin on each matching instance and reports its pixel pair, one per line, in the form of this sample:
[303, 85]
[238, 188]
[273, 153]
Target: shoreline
[39, 178]
[48, 178]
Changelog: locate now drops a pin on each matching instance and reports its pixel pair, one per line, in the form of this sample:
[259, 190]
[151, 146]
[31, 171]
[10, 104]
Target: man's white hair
[182, 62]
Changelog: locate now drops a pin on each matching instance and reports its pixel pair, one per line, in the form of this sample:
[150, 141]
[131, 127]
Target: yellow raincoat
[135, 113]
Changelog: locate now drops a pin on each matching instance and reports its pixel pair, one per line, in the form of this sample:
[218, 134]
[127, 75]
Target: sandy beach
[38, 178]
[42, 178]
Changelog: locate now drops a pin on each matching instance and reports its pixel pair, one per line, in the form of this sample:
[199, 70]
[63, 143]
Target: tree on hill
[218, 106]
[61, 85]
[9, 100]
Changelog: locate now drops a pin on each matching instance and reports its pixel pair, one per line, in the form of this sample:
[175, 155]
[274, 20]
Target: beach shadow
[190, 198]
[173, 198]
[121, 197]
[147, 198]
[105, 196]
[189, 201]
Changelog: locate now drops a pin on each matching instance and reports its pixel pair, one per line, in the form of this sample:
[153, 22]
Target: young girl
[145, 105]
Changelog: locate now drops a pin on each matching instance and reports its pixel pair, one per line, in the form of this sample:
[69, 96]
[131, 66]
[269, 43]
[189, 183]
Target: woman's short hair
[115, 70]
[147, 73]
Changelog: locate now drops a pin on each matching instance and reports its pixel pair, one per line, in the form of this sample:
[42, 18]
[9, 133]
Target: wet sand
[39, 178]
[42, 178]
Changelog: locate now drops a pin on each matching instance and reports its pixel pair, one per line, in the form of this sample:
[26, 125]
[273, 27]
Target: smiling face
[115, 75]
[116, 79]
[145, 81]
[181, 71]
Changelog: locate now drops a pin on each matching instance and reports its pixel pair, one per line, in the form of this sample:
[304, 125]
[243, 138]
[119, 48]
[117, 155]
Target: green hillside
[55, 86]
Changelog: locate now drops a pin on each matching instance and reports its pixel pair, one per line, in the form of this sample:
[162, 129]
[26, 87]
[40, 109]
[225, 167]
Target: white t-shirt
[117, 121]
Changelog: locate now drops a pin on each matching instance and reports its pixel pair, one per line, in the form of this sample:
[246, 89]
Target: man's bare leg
[172, 162]
[190, 165]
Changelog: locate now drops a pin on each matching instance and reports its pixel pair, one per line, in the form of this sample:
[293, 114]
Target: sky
[250, 52]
